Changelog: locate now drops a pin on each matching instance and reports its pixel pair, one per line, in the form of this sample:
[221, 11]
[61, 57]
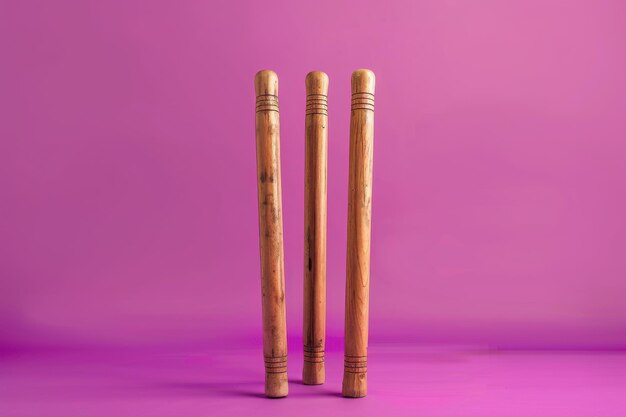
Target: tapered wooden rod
[271, 234]
[359, 232]
[316, 150]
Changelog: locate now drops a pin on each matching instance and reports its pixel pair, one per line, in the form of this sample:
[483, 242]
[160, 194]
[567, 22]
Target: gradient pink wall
[128, 208]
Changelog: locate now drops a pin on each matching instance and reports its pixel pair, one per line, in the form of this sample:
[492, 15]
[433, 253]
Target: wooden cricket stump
[271, 234]
[359, 233]
[316, 151]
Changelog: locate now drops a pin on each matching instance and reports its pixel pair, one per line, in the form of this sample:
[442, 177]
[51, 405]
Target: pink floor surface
[404, 380]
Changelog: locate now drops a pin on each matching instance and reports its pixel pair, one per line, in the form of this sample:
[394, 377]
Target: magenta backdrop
[127, 168]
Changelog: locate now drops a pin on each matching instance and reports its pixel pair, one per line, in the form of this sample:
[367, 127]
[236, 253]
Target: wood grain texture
[359, 234]
[271, 234]
[316, 151]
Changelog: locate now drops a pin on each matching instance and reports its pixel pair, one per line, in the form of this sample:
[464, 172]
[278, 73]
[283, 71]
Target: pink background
[128, 211]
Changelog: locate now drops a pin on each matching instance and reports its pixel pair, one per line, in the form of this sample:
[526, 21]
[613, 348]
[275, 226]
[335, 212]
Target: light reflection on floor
[404, 380]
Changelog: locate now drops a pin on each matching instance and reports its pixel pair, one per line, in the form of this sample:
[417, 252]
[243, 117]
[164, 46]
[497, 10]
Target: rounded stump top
[316, 83]
[266, 83]
[363, 81]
